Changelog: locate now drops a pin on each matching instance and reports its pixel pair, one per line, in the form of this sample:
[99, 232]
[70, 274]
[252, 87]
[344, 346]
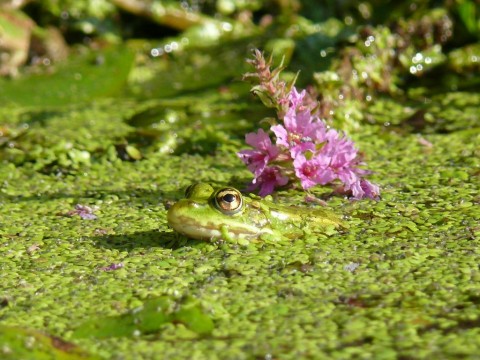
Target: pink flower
[319, 155]
[313, 171]
[265, 151]
[344, 152]
[364, 188]
[292, 141]
[343, 155]
[112, 267]
[84, 211]
[270, 178]
[301, 130]
[296, 98]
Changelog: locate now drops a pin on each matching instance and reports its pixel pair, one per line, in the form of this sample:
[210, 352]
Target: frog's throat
[193, 229]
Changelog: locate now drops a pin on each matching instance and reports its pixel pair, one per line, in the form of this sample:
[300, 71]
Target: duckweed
[401, 282]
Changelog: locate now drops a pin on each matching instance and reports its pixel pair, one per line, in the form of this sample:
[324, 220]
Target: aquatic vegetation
[148, 319]
[84, 211]
[305, 148]
[20, 343]
[127, 128]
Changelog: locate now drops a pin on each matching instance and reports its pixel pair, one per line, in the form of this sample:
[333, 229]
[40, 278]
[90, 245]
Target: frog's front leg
[231, 238]
[226, 235]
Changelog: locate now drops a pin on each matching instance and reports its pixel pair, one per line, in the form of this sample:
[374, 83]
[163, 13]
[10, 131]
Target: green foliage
[147, 319]
[402, 282]
[82, 79]
[469, 13]
[79, 9]
[18, 343]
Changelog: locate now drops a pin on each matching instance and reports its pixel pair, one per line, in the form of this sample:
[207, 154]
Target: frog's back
[321, 218]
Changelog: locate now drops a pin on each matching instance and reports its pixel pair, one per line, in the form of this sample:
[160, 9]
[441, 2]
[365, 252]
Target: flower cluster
[304, 148]
[113, 266]
[84, 211]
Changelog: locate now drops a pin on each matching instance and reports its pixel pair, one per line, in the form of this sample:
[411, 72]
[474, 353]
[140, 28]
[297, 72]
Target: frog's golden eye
[229, 201]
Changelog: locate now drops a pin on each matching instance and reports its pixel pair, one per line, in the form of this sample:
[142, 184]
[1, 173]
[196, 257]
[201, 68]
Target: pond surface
[404, 277]
[84, 188]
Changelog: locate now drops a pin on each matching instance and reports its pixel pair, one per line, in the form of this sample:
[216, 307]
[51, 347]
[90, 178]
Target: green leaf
[18, 343]
[467, 12]
[193, 318]
[148, 319]
[79, 80]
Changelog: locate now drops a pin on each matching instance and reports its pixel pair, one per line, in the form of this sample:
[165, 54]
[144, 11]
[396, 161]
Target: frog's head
[205, 213]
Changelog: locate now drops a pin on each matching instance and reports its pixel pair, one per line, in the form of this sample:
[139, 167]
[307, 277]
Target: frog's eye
[229, 201]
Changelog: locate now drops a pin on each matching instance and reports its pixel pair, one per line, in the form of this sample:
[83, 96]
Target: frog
[224, 213]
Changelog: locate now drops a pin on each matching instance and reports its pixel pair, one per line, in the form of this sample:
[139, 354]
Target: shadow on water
[134, 195]
[143, 239]
[40, 116]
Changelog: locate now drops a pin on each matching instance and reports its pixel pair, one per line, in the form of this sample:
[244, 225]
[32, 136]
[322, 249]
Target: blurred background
[390, 63]
[167, 47]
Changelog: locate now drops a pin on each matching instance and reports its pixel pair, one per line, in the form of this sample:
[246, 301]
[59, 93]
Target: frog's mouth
[195, 231]
[208, 231]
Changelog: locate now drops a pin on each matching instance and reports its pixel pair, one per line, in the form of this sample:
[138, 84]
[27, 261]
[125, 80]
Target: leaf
[79, 80]
[467, 12]
[18, 343]
[143, 320]
[148, 319]
[194, 319]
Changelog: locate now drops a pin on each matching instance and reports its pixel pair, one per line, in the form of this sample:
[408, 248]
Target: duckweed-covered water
[403, 281]
[95, 149]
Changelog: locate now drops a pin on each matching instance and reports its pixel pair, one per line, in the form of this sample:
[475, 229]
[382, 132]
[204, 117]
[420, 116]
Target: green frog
[224, 213]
